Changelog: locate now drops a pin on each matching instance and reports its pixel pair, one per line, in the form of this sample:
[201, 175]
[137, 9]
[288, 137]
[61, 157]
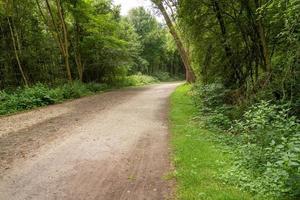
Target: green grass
[199, 162]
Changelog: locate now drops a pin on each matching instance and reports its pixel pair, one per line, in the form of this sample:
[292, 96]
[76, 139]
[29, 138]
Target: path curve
[109, 146]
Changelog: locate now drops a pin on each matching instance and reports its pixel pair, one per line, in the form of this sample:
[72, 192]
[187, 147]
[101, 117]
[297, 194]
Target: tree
[57, 24]
[14, 37]
[190, 76]
[151, 37]
[245, 45]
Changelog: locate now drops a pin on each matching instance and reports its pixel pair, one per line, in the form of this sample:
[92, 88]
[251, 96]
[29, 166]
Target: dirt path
[110, 146]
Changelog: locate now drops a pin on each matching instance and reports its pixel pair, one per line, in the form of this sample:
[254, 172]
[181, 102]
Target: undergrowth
[38, 95]
[199, 161]
[264, 138]
[139, 79]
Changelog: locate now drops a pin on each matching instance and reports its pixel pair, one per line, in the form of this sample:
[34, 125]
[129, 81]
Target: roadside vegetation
[264, 138]
[245, 57]
[217, 157]
[58, 41]
[38, 95]
[55, 50]
[200, 161]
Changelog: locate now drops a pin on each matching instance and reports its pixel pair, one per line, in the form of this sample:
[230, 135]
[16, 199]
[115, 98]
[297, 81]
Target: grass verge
[199, 162]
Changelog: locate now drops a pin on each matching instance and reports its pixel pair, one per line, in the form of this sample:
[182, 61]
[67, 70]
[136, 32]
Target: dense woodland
[243, 58]
[53, 41]
[247, 46]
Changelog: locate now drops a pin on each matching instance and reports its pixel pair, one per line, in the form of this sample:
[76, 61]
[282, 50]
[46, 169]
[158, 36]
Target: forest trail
[109, 146]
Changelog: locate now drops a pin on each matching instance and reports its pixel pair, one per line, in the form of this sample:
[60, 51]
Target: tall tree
[58, 27]
[14, 37]
[190, 75]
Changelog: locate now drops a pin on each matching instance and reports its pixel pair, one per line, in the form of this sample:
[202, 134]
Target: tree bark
[54, 33]
[234, 72]
[78, 59]
[16, 51]
[221, 22]
[206, 64]
[65, 37]
[58, 36]
[61, 34]
[190, 75]
[262, 36]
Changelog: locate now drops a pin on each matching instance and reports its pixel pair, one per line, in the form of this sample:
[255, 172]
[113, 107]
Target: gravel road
[109, 146]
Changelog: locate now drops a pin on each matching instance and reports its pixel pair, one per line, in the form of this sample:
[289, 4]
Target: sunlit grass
[198, 161]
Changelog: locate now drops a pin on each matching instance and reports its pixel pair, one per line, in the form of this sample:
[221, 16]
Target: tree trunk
[57, 32]
[262, 36]
[78, 59]
[65, 37]
[190, 76]
[61, 34]
[221, 22]
[16, 52]
[206, 64]
[234, 72]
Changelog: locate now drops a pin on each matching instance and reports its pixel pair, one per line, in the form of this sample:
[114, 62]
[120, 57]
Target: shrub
[269, 161]
[139, 79]
[163, 76]
[26, 98]
[96, 87]
[6, 102]
[209, 100]
[266, 139]
[208, 97]
[74, 90]
[41, 95]
[35, 96]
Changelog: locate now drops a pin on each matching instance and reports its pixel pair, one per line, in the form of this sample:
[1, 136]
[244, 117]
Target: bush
[74, 90]
[41, 95]
[266, 139]
[163, 76]
[269, 161]
[96, 87]
[209, 100]
[26, 98]
[208, 97]
[138, 80]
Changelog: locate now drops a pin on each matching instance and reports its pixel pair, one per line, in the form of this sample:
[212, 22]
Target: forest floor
[113, 145]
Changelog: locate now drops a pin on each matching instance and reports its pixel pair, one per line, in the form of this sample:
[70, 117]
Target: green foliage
[138, 80]
[162, 76]
[269, 152]
[232, 43]
[156, 52]
[41, 95]
[208, 97]
[166, 76]
[265, 140]
[199, 161]
[102, 45]
[24, 99]
[96, 87]
[210, 101]
[246, 54]
[74, 90]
